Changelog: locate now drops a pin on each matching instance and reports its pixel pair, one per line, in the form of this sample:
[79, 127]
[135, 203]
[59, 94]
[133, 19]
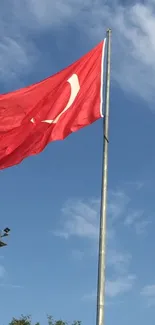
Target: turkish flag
[50, 110]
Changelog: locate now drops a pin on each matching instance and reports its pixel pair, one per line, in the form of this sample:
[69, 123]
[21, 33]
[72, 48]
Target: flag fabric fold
[50, 110]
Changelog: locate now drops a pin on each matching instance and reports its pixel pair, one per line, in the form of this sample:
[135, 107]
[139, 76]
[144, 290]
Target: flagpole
[103, 209]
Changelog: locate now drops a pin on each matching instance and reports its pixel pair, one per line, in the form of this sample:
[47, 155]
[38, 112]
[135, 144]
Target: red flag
[50, 110]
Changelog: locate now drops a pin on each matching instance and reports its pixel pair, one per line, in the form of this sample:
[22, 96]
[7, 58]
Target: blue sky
[51, 201]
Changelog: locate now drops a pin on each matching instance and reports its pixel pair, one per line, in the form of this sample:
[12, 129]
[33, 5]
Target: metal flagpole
[102, 235]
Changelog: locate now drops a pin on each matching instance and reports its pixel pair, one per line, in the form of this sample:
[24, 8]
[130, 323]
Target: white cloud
[81, 219]
[134, 37]
[149, 293]
[114, 288]
[138, 221]
[17, 51]
[3, 283]
[132, 217]
[117, 203]
[15, 57]
[148, 290]
[48, 13]
[135, 185]
[118, 260]
[141, 227]
[3, 278]
[11, 286]
[120, 285]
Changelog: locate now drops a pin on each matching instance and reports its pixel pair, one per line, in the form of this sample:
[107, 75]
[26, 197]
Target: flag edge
[102, 73]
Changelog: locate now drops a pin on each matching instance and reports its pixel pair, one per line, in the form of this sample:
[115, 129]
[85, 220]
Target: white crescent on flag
[75, 87]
